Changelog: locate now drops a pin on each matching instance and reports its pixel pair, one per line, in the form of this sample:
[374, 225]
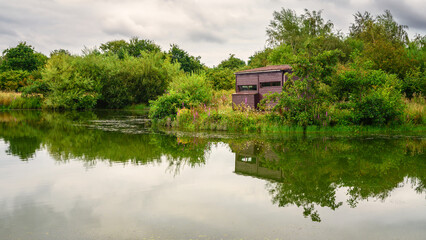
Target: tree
[117, 47]
[232, 63]
[132, 48]
[187, 63]
[22, 57]
[289, 28]
[383, 27]
[221, 78]
[60, 51]
[259, 58]
[136, 46]
[303, 101]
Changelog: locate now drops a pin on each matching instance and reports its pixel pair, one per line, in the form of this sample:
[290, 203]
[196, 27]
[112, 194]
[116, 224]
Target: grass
[414, 112]
[13, 100]
[220, 116]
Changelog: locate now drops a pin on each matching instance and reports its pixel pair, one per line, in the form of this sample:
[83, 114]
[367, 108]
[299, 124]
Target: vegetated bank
[375, 76]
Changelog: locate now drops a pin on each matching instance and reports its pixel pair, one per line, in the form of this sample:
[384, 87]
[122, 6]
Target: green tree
[60, 51]
[221, 78]
[117, 47]
[132, 48]
[137, 46]
[259, 58]
[22, 57]
[232, 63]
[289, 28]
[303, 100]
[68, 88]
[187, 63]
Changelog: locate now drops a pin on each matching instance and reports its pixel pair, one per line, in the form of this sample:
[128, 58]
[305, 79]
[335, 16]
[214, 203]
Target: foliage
[10, 100]
[414, 112]
[380, 106]
[289, 28]
[301, 103]
[232, 63]
[259, 58]
[186, 91]
[68, 89]
[59, 52]
[187, 63]
[22, 57]
[134, 47]
[221, 78]
[103, 80]
[383, 26]
[12, 80]
[134, 80]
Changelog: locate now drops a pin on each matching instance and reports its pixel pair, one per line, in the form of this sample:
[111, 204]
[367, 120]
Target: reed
[13, 100]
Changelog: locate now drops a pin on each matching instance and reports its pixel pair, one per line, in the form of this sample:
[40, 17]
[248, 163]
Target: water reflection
[93, 137]
[307, 172]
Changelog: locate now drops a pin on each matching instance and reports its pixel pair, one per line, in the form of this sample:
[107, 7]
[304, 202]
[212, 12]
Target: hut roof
[272, 68]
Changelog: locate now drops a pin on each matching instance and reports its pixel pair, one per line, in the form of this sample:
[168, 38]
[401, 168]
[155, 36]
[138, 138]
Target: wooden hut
[252, 85]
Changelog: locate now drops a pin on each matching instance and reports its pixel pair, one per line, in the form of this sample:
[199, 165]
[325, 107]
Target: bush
[12, 80]
[185, 91]
[68, 89]
[166, 105]
[130, 80]
[414, 83]
[381, 106]
[221, 78]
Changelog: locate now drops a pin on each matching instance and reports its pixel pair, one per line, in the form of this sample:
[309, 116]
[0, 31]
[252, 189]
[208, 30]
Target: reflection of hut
[247, 161]
[252, 85]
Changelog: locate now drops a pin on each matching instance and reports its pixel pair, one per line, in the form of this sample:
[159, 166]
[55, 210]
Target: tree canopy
[22, 57]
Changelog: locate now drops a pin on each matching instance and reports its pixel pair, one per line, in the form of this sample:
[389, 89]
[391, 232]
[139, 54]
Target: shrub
[221, 78]
[130, 80]
[68, 89]
[166, 105]
[12, 80]
[381, 106]
[185, 91]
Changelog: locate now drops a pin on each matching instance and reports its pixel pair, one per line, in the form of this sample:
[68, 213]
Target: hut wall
[241, 99]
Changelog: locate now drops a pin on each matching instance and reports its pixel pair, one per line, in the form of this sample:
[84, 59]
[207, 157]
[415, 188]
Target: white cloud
[210, 29]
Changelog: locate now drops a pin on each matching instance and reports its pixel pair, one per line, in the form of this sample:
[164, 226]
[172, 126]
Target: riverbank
[220, 116]
[13, 100]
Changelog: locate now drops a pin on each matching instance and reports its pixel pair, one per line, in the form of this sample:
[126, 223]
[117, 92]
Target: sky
[209, 29]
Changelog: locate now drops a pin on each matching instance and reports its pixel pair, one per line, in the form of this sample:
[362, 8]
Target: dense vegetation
[373, 76]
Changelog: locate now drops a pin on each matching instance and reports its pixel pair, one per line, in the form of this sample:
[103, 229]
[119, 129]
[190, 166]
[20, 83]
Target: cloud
[210, 29]
[196, 36]
[410, 13]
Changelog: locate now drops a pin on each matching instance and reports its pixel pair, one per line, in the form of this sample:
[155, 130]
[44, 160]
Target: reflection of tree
[66, 136]
[313, 169]
[22, 139]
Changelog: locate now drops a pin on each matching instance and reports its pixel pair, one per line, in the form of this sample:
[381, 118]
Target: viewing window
[247, 88]
[270, 84]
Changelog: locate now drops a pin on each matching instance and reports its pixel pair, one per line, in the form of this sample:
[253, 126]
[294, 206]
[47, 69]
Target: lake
[108, 175]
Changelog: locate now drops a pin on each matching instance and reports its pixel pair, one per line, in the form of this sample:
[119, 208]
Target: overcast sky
[210, 29]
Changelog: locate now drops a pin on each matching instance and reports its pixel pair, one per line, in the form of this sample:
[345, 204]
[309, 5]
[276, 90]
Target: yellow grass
[6, 98]
[414, 112]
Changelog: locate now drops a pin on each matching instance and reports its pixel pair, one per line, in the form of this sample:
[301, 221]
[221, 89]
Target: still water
[107, 175]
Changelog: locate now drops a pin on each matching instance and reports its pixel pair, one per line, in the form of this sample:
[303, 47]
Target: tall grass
[13, 100]
[220, 115]
[414, 111]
